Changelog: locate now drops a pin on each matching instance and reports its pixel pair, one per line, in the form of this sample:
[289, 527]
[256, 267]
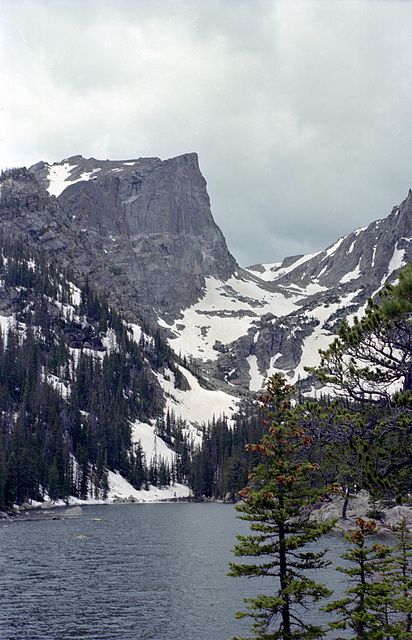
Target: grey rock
[393, 516]
[359, 506]
[73, 512]
[27, 506]
[143, 229]
[46, 505]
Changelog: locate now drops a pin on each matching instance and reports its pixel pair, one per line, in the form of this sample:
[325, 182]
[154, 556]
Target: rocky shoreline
[46, 512]
[359, 506]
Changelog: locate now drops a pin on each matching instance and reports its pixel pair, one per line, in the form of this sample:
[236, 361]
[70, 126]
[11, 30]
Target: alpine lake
[132, 571]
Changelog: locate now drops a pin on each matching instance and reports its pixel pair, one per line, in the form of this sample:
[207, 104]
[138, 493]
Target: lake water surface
[152, 571]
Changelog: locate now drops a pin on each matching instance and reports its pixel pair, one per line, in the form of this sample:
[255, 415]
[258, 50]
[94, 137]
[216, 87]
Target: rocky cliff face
[366, 257]
[145, 226]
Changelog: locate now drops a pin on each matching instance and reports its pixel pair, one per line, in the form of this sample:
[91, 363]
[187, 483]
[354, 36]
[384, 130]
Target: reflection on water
[129, 571]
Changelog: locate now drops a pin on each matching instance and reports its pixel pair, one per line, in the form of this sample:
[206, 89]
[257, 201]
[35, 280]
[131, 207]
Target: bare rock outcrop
[144, 228]
[359, 506]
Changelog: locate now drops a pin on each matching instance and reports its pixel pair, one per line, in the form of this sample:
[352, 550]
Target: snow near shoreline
[120, 491]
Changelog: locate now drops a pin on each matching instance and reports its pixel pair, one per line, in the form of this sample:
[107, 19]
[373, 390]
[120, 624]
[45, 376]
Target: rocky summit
[142, 232]
[143, 229]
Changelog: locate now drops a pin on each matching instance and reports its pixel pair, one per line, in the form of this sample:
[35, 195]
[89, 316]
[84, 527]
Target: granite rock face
[360, 505]
[329, 286]
[146, 227]
[363, 259]
[296, 306]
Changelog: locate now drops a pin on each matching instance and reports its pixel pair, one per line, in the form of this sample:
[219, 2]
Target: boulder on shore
[46, 505]
[393, 516]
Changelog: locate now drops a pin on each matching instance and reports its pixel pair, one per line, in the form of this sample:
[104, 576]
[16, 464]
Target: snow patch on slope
[225, 313]
[5, 323]
[333, 248]
[274, 270]
[59, 177]
[351, 275]
[152, 445]
[119, 488]
[397, 261]
[256, 379]
[198, 405]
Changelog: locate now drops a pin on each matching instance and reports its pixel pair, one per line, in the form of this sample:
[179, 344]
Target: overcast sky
[300, 111]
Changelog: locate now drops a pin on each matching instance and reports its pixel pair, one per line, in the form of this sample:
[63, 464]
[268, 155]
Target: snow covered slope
[275, 317]
[143, 233]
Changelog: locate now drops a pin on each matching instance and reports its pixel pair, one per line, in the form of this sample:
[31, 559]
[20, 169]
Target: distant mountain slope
[367, 256]
[140, 327]
[89, 403]
[244, 329]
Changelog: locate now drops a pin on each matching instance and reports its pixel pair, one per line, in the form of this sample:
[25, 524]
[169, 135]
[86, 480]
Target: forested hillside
[88, 360]
[73, 378]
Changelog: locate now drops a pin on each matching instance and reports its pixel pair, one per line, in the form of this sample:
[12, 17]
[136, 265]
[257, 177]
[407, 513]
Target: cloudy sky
[300, 111]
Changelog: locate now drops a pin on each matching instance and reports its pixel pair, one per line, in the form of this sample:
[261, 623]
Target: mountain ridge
[308, 297]
[152, 221]
[142, 230]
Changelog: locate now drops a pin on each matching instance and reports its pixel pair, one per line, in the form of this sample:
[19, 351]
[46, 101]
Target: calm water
[155, 571]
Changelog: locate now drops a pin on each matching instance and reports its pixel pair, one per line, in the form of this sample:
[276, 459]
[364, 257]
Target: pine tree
[278, 490]
[365, 363]
[402, 579]
[367, 609]
[375, 351]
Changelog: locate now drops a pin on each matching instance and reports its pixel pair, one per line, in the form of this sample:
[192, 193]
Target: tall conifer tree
[279, 489]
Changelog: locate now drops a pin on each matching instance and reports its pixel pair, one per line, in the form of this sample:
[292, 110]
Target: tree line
[73, 380]
[68, 399]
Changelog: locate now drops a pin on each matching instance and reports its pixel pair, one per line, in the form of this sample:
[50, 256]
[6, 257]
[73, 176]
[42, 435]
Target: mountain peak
[148, 221]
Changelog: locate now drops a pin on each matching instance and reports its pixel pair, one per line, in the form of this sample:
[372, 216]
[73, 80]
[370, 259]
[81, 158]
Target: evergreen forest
[313, 451]
[73, 379]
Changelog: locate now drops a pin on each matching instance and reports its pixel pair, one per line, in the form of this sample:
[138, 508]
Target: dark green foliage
[64, 443]
[369, 434]
[34, 448]
[62, 440]
[221, 465]
[402, 582]
[377, 605]
[280, 487]
[364, 364]
[376, 350]
[365, 609]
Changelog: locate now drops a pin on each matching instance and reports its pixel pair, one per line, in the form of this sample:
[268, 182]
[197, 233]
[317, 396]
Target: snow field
[198, 405]
[59, 177]
[210, 320]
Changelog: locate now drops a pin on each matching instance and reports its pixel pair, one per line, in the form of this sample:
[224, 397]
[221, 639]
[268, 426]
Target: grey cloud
[299, 111]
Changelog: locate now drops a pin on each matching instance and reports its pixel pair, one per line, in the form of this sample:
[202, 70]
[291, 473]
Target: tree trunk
[283, 574]
[345, 504]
